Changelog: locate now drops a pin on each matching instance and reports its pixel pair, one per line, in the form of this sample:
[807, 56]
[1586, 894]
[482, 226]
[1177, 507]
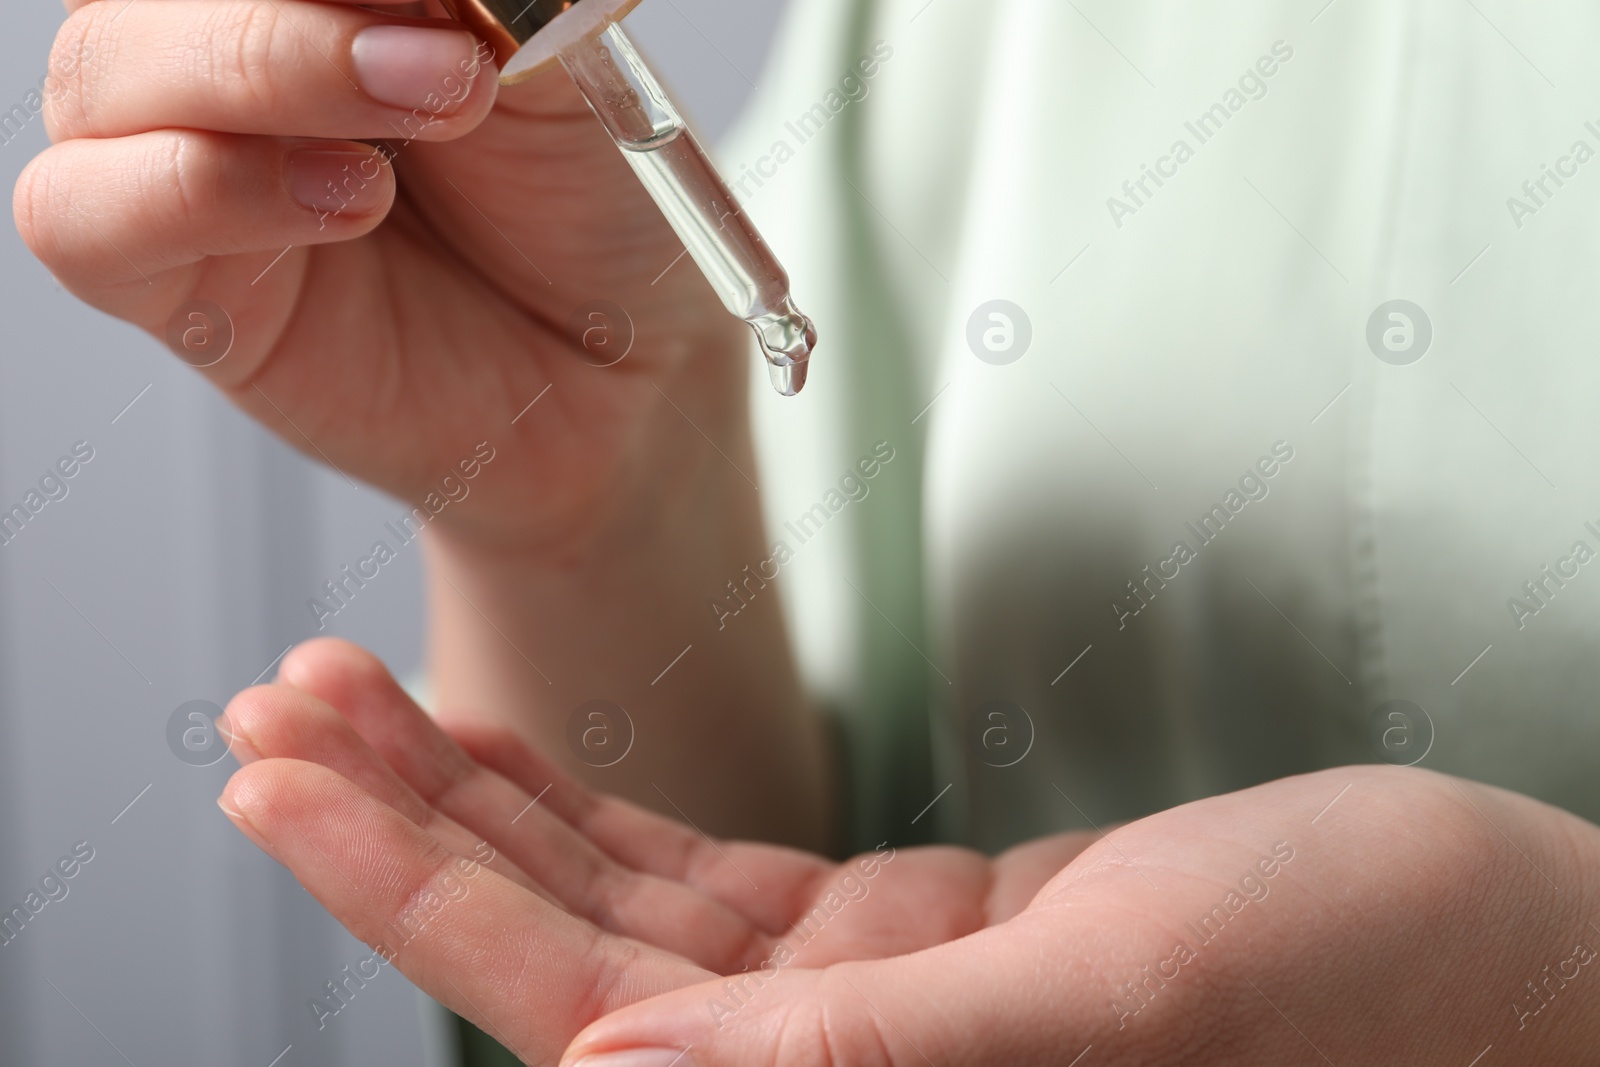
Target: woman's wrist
[710, 715]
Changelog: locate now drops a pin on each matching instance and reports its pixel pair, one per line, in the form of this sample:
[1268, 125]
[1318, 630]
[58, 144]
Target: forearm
[721, 731]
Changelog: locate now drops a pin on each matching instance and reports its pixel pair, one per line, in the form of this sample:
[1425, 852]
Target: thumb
[960, 1002]
[819, 1018]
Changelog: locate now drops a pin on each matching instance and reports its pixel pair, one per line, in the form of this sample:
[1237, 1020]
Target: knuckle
[244, 52]
[607, 969]
[832, 1029]
[177, 160]
[187, 180]
[83, 40]
[425, 903]
[613, 894]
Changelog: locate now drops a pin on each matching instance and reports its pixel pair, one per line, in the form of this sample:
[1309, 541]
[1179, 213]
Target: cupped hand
[387, 316]
[1361, 915]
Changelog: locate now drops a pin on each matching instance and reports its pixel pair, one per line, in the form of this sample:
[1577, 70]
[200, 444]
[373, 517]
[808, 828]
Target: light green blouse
[1198, 505]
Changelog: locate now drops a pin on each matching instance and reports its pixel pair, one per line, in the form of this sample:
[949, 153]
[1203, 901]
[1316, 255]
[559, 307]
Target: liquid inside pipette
[696, 201]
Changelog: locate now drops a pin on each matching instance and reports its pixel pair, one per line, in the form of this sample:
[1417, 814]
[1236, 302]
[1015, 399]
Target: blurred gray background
[177, 568]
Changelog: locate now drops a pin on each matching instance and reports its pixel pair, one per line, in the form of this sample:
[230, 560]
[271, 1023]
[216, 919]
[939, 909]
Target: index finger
[517, 966]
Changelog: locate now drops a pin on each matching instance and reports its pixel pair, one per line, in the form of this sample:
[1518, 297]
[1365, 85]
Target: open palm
[482, 792]
[1317, 919]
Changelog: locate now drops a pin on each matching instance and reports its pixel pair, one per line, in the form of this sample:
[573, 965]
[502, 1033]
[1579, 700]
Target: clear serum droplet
[672, 166]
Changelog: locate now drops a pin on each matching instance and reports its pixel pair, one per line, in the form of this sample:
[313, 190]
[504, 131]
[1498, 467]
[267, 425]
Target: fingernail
[338, 181]
[639, 1057]
[248, 830]
[415, 67]
[239, 744]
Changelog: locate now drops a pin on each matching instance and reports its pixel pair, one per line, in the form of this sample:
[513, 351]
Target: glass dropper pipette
[585, 37]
